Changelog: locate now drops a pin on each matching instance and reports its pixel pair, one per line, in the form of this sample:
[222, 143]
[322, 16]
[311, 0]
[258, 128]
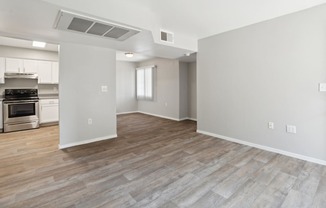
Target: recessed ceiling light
[129, 55]
[39, 44]
[187, 54]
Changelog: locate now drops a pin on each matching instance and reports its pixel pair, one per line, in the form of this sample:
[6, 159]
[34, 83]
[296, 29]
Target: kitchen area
[29, 81]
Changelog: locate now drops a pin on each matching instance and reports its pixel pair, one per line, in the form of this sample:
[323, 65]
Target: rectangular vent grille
[74, 22]
[116, 33]
[79, 25]
[167, 36]
[99, 29]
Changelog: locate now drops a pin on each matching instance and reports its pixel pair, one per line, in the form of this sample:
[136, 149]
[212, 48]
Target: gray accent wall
[166, 89]
[83, 70]
[192, 90]
[126, 87]
[183, 90]
[267, 72]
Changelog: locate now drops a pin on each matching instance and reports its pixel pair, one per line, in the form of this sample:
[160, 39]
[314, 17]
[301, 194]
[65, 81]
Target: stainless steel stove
[20, 109]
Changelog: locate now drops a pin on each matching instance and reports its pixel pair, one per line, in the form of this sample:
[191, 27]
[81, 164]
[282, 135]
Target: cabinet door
[55, 72]
[2, 70]
[44, 72]
[14, 65]
[30, 66]
[49, 111]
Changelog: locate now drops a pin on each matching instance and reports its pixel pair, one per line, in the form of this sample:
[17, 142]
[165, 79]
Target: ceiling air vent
[167, 36]
[69, 21]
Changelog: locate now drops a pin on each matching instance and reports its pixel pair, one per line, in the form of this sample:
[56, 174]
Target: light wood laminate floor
[153, 163]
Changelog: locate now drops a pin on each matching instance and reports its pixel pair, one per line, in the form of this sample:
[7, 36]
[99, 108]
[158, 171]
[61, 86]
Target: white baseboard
[160, 116]
[64, 146]
[270, 149]
[128, 112]
[166, 117]
[187, 118]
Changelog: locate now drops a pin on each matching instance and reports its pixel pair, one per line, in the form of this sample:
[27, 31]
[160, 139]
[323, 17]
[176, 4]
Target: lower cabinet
[49, 110]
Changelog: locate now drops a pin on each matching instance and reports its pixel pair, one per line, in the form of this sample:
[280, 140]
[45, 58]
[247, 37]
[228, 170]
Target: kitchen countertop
[48, 96]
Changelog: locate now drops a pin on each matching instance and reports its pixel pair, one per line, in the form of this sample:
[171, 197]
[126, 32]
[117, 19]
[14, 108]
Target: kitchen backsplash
[29, 83]
[48, 89]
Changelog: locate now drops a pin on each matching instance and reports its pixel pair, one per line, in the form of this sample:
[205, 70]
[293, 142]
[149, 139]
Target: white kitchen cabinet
[49, 110]
[2, 70]
[16, 65]
[44, 72]
[48, 72]
[55, 72]
[30, 66]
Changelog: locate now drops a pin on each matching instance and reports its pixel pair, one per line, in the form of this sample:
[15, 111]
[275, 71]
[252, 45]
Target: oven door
[20, 112]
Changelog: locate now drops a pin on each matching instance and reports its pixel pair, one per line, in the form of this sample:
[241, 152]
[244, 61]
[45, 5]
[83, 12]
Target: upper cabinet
[55, 72]
[30, 66]
[2, 70]
[44, 72]
[48, 72]
[16, 65]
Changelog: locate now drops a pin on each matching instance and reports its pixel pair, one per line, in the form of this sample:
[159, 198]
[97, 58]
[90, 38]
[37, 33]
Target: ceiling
[136, 58]
[189, 20]
[14, 42]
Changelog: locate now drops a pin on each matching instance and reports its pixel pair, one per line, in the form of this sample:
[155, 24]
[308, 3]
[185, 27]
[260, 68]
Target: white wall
[183, 90]
[166, 91]
[267, 72]
[192, 90]
[83, 70]
[126, 87]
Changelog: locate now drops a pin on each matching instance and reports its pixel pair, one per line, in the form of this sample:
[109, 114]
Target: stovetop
[20, 94]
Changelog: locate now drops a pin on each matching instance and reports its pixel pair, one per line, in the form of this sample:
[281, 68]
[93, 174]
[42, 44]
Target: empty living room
[166, 104]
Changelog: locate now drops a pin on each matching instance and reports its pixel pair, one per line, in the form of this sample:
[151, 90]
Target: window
[144, 82]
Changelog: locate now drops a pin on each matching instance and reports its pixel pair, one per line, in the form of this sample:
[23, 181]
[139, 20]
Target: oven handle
[19, 102]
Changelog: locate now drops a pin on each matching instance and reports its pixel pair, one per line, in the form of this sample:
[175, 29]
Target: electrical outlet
[90, 121]
[270, 125]
[291, 129]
